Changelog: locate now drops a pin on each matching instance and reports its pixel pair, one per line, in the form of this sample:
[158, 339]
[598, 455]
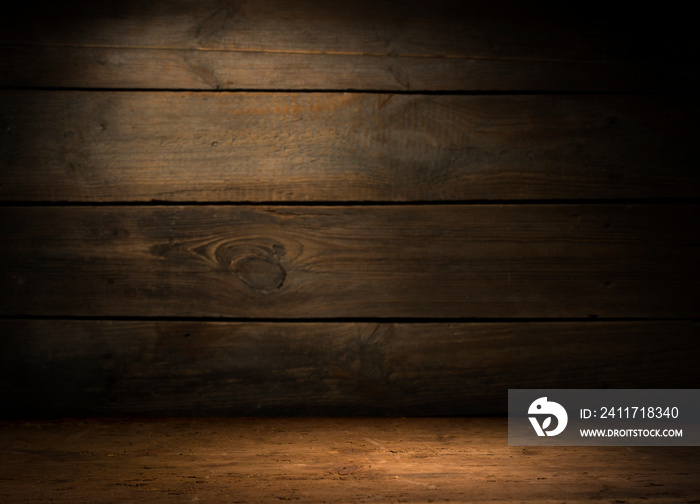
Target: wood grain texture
[416, 460]
[140, 146]
[380, 45]
[143, 68]
[357, 261]
[55, 368]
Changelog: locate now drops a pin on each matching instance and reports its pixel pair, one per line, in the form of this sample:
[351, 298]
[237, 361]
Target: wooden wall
[378, 208]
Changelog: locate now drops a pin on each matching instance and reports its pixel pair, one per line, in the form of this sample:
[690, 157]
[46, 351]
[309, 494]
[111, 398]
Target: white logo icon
[542, 406]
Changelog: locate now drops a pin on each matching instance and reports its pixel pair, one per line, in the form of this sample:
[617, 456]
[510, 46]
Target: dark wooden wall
[378, 208]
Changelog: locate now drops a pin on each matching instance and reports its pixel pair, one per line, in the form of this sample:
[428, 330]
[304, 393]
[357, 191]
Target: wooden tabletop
[325, 460]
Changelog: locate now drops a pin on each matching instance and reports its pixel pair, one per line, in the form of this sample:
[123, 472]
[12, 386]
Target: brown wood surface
[153, 68]
[140, 146]
[326, 460]
[51, 368]
[380, 45]
[351, 261]
[497, 101]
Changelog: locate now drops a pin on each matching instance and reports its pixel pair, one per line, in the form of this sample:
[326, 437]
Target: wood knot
[260, 273]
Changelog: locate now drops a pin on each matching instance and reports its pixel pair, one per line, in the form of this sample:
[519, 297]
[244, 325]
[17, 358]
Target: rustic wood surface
[140, 146]
[310, 44]
[143, 68]
[325, 460]
[144, 368]
[351, 261]
[528, 162]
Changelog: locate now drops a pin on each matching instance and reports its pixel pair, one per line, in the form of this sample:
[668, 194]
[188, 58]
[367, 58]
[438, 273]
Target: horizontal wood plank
[325, 460]
[53, 368]
[38, 66]
[351, 261]
[379, 45]
[141, 146]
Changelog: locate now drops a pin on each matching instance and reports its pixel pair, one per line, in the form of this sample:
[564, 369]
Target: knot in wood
[260, 273]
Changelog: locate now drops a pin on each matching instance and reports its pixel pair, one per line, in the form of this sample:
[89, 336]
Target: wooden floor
[325, 460]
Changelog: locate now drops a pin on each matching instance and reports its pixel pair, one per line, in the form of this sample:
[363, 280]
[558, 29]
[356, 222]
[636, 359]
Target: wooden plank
[305, 44]
[351, 261]
[54, 368]
[41, 66]
[140, 146]
[349, 461]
